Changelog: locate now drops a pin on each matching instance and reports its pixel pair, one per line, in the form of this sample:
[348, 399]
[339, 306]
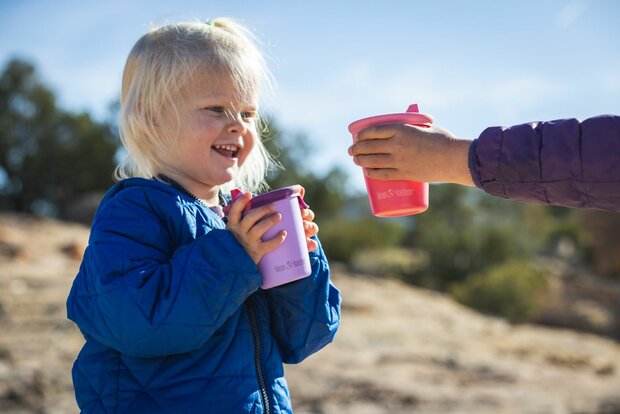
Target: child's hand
[310, 227]
[249, 229]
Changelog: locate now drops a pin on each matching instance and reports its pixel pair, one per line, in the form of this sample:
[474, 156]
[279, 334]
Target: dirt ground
[399, 349]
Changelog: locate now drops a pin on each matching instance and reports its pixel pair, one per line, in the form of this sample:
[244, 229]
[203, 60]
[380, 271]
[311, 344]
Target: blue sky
[471, 64]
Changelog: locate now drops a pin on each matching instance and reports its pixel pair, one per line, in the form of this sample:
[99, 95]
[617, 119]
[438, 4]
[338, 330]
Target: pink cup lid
[412, 116]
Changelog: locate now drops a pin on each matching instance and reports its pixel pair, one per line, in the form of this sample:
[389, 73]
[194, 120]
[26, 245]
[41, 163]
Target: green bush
[514, 290]
[466, 232]
[388, 262]
[343, 238]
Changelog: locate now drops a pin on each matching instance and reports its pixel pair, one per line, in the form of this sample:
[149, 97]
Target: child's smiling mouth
[227, 150]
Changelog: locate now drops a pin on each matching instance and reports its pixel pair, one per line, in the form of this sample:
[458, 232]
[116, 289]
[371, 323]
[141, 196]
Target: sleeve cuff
[472, 162]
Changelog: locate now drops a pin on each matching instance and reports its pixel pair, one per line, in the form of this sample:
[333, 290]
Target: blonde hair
[161, 66]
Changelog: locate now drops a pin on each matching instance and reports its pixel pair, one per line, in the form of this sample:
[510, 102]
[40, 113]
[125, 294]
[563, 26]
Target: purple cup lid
[268, 198]
[279, 194]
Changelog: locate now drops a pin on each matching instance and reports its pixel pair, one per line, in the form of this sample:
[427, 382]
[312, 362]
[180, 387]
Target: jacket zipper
[257, 356]
[184, 190]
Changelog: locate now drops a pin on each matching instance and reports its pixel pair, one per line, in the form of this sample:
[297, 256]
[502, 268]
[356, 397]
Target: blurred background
[478, 305]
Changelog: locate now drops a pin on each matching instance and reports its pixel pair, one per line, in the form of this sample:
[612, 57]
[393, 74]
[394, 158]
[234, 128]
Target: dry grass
[399, 349]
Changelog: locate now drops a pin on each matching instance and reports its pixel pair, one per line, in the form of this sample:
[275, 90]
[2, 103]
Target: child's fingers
[234, 215]
[260, 228]
[271, 244]
[307, 214]
[310, 228]
[312, 244]
[255, 215]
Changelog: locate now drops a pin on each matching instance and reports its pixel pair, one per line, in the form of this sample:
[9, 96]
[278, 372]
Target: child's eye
[248, 114]
[217, 109]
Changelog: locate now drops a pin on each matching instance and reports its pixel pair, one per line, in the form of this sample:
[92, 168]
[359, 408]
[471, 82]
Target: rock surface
[399, 349]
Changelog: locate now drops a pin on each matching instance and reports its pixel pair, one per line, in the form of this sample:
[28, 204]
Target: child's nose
[237, 126]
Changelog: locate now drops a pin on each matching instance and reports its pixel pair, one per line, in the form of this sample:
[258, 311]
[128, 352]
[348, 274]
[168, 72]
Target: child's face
[217, 133]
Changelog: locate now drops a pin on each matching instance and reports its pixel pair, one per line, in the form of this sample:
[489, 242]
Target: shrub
[343, 238]
[466, 232]
[513, 290]
[388, 262]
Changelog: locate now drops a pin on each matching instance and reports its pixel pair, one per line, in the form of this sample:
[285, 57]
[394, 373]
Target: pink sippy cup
[395, 197]
[289, 261]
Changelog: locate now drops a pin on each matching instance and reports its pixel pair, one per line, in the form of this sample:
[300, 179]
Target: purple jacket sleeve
[565, 162]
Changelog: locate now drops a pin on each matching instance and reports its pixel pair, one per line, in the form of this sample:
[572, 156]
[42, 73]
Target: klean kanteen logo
[289, 265]
[392, 193]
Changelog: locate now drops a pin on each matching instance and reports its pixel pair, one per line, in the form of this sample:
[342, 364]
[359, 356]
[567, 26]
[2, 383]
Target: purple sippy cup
[289, 261]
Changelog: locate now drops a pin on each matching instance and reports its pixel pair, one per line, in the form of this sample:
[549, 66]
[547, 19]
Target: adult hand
[408, 152]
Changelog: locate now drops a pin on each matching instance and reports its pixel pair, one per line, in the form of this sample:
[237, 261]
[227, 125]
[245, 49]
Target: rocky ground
[399, 349]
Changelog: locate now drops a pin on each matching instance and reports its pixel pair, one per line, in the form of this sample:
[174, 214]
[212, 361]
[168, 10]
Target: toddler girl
[167, 295]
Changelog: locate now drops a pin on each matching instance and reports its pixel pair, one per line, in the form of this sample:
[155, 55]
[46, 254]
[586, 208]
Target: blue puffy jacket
[564, 162]
[174, 320]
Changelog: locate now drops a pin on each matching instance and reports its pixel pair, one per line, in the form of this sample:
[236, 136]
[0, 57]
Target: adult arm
[564, 162]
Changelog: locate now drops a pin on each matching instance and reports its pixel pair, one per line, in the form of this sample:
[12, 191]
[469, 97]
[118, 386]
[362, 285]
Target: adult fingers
[384, 174]
[374, 161]
[373, 146]
[378, 132]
